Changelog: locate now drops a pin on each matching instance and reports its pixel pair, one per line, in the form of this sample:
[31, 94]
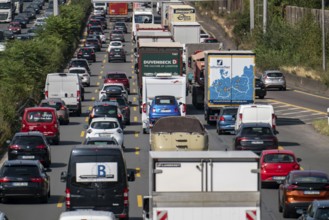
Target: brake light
[240, 116]
[68, 198]
[80, 53]
[296, 167]
[92, 114]
[292, 187]
[241, 139]
[153, 110]
[221, 118]
[125, 197]
[78, 95]
[273, 121]
[46, 94]
[144, 107]
[42, 146]
[37, 180]
[63, 107]
[119, 116]
[14, 147]
[4, 180]
[184, 108]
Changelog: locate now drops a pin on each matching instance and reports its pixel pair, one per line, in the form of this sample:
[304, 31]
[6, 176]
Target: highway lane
[301, 138]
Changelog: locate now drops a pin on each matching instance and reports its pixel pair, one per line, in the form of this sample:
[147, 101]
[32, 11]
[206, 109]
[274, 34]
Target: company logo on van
[97, 172]
[183, 17]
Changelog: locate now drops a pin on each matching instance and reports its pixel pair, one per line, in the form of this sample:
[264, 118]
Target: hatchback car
[317, 210]
[114, 44]
[300, 188]
[93, 43]
[117, 35]
[94, 22]
[80, 62]
[118, 77]
[276, 164]
[24, 178]
[15, 27]
[123, 103]
[121, 26]
[105, 109]
[163, 106]
[255, 137]
[40, 21]
[105, 127]
[21, 20]
[83, 74]
[87, 53]
[101, 18]
[274, 79]
[260, 90]
[61, 109]
[100, 141]
[110, 86]
[226, 120]
[117, 54]
[29, 146]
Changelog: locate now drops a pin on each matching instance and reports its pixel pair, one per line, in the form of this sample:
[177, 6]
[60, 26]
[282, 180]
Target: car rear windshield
[322, 213]
[93, 41]
[77, 71]
[112, 87]
[28, 140]
[117, 76]
[278, 158]
[39, 116]
[307, 178]
[78, 63]
[104, 125]
[106, 109]
[55, 105]
[276, 74]
[116, 32]
[87, 50]
[116, 43]
[119, 100]
[120, 24]
[256, 131]
[103, 142]
[230, 111]
[20, 171]
[165, 101]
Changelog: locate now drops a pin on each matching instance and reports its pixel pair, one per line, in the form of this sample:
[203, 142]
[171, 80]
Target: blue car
[226, 120]
[163, 106]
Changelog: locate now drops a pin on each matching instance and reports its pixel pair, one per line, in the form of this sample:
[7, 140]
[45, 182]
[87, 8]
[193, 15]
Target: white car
[114, 44]
[40, 21]
[99, 11]
[83, 73]
[105, 127]
[108, 86]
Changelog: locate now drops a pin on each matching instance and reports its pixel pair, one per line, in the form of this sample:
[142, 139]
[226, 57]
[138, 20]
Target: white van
[66, 86]
[87, 215]
[255, 113]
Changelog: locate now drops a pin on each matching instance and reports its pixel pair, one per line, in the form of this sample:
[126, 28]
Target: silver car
[274, 79]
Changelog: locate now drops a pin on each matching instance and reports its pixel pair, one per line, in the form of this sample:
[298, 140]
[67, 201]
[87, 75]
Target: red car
[276, 164]
[15, 27]
[115, 77]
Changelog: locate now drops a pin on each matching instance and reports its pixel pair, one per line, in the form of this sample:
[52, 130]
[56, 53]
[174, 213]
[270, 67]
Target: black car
[87, 53]
[100, 141]
[80, 62]
[29, 146]
[117, 54]
[122, 101]
[255, 137]
[105, 109]
[117, 35]
[24, 178]
[28, 14]
[120, 26]
[92, 29]
[101, 18]
[93, 43]
[8, 35]
[23, 36]
[31, 11]
[21, 20]
[260, 90]
[35, 8]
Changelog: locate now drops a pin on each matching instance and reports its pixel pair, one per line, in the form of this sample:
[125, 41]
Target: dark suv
[260, 90]
[121, 26]
[105, 109]
[117, 54]
[29, 146]
[87, 53]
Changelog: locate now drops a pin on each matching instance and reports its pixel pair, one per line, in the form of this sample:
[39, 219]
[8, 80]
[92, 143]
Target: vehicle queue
[306, 185]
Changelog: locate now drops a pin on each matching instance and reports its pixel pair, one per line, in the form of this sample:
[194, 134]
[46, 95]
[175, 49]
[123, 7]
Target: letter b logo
[174, 61]
[101, 171]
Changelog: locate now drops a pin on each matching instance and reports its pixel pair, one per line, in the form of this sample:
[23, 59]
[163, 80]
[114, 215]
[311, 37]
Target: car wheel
[285, 211]
[44, 199]
[284, 88]
[261, 97]
[280, 206]
[56, 140]
[109, 61]
[78, 113]
[219, 132]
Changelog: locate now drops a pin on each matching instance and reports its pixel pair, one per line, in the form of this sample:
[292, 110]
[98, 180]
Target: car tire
[78, 113]
[261, 97]
[284, 88]
[128, 122]
[219, 132]
[286, 213]
[279, 204]
[109, 61]
[44, 199]
[56, 140]
[144, 131]
[124, 60]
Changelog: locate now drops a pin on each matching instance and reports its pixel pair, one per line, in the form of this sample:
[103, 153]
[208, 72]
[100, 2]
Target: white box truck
[186, 32]
[195, 185]
[163, 84]
[163, 9]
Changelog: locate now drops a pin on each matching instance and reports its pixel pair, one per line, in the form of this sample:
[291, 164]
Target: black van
[97, 179]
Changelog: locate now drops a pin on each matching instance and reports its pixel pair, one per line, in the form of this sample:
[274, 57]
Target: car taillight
[41, 146]
[296, 167]
[263, 166]
[78, 95]
[63, 107]
[68, 198]
[292, 187]
[221, 118]
[46, 94]
[153, 110]
[4, 180]
[273, 121]
[92, 114]
[119, 116]
[14, 147]
[241, 139]
[240, 116]
[92, 53]
[125, 197]
[184, 108]
[126, 108]
[144, 107]
[56, 126]
[37, 180]
[80, 53]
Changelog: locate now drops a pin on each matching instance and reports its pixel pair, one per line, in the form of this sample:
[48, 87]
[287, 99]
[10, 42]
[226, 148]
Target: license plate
[117, 55]
[257, 87]
[105, 135]
[86, 55]
[232, 126]
[20, 184]
[165, 110]
[312, 192]
[257, 142]
[28, 157]
[279, 177]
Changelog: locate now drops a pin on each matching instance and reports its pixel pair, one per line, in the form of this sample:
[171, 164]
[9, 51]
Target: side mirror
[129, 77]
[63, 176]
[276, 132]
[299, 159]
[89, 131]
[131, 176]
[129, 102]
[85, 126]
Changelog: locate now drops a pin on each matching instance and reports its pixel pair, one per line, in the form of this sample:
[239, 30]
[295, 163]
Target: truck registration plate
[311, 192]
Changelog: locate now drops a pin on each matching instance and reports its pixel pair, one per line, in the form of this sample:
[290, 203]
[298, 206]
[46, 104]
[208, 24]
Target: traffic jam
[153, 119]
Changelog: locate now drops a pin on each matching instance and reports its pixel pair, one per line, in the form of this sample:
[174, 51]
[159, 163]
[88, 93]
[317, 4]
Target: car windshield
[56, 105]
[28, 140]
[117, 32]
[109, 142]
[230, 111]
[6, 5]
[322, 214]
[256, 131]
[105, 109]
[140, 19]
[165, 100]
[306, 178]
[78, 63]
[39, 116]
[112, 87]
[104, 125]
[20, 171]
[77, 71]
[119, 100]
[117, 76]
[116, 44]
[275, 74]
[278, 158]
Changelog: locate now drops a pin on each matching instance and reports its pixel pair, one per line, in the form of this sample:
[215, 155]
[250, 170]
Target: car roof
[39, 109]
[277, 151]
[30, 133]
[21, 162]
[311, 172]
[79, 59]
[104, 119]
[230, 107]
[100, 138]
[321, 203]
[113, 84]
[99, 103]
[272, 71]
[77, 67]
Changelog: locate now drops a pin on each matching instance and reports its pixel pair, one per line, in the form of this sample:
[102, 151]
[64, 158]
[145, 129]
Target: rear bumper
[73, 108]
